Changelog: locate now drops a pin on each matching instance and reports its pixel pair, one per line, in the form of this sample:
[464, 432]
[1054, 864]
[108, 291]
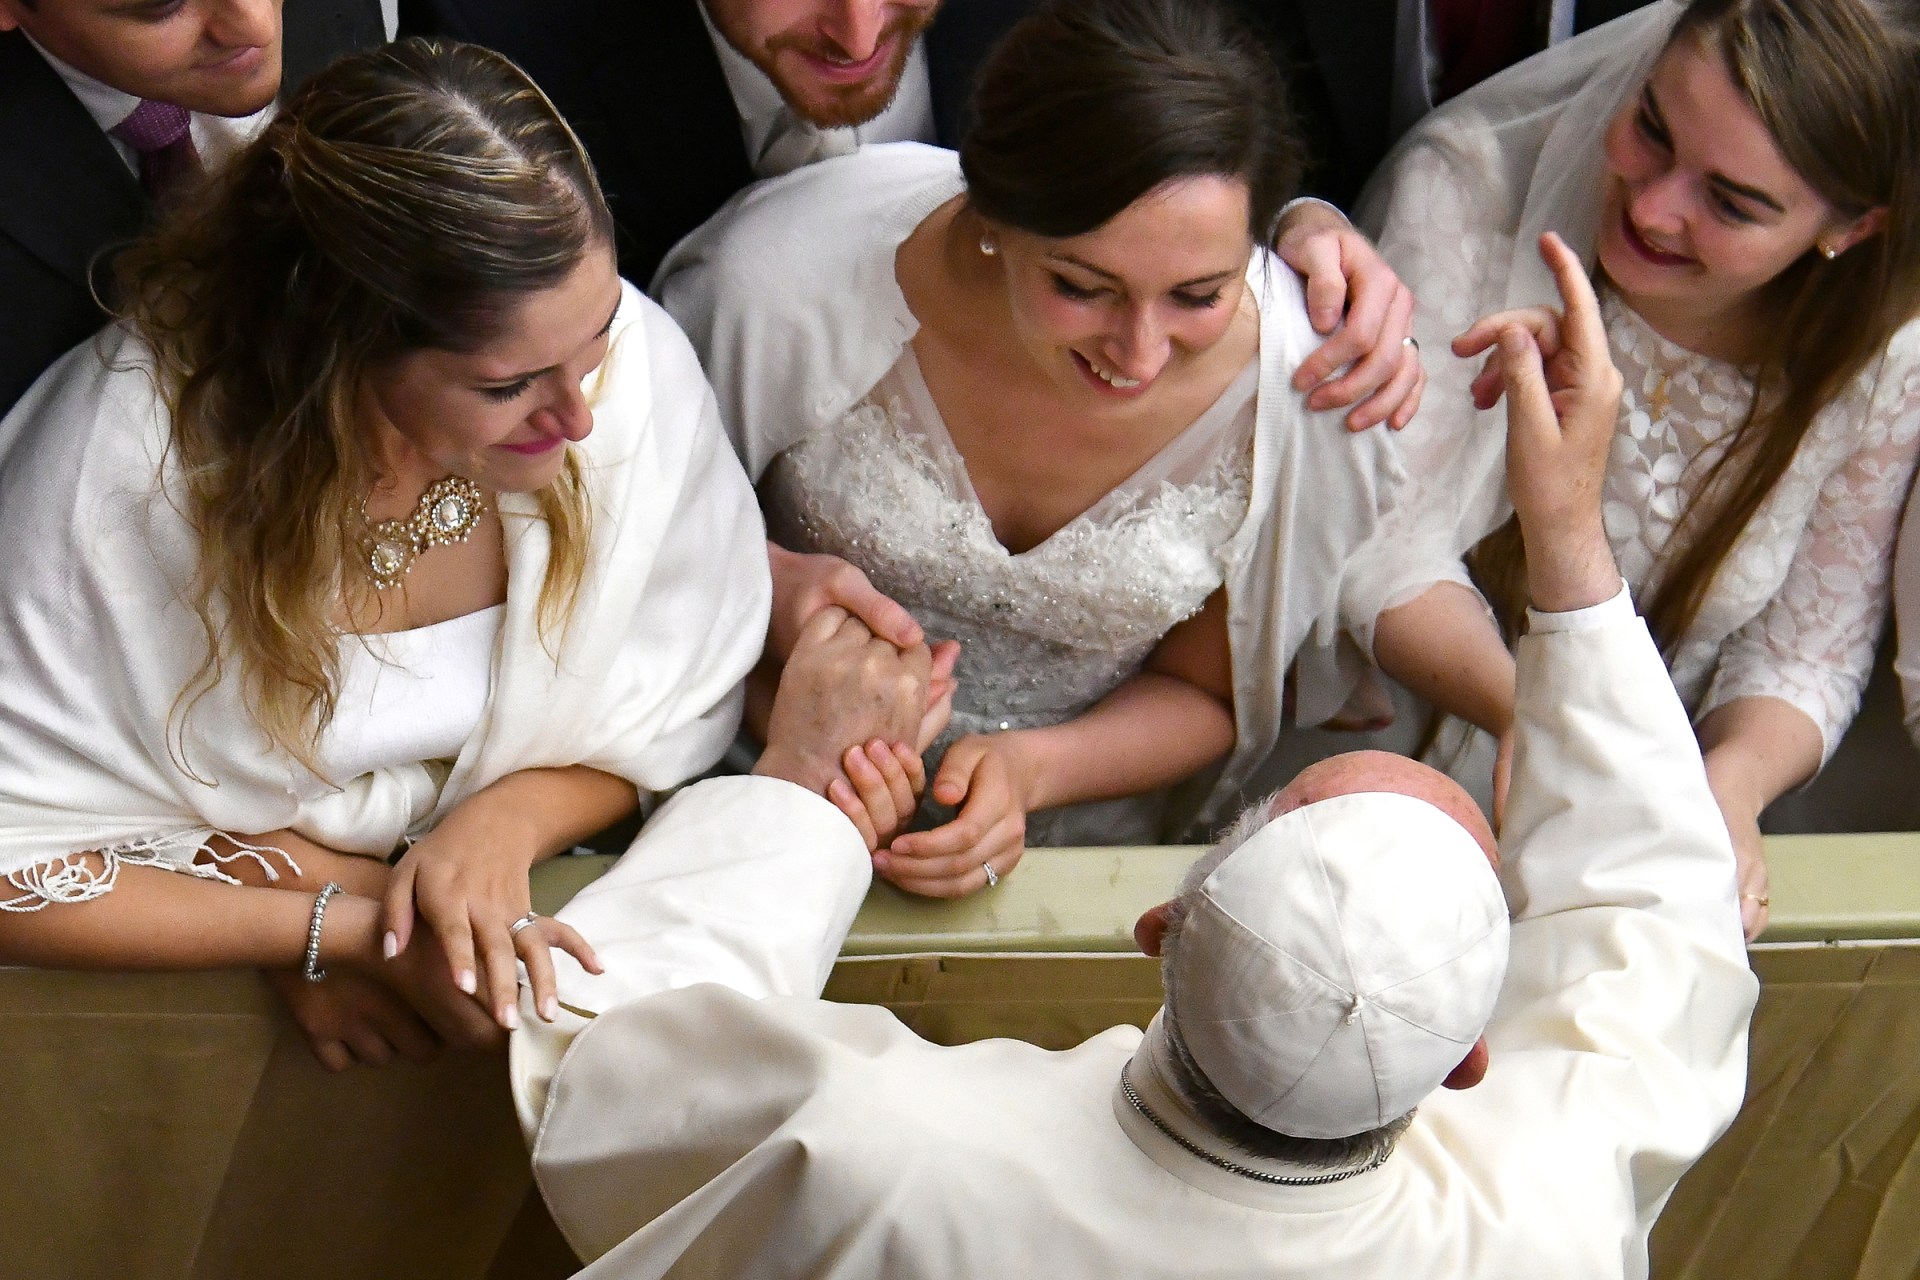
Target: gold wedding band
[1759, 899]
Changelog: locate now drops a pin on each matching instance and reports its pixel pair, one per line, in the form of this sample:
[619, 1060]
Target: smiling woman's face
[1701, 210]
[502, 415]
[1107, 314]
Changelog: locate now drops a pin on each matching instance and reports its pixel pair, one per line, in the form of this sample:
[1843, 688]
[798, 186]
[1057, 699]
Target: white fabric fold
[97, 641]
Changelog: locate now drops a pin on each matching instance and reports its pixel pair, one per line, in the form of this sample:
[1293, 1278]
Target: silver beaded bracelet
[311, 970]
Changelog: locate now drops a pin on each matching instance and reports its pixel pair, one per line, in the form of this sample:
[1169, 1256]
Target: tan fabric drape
[174, 1127]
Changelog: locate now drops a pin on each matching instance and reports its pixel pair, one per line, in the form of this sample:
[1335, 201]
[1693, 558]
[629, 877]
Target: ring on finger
[1757, 899]
[993, 877]
[526, 921]
[1411, 341]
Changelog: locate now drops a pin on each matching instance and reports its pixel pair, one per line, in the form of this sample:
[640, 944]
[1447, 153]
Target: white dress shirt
[779, 142]
[215, 138]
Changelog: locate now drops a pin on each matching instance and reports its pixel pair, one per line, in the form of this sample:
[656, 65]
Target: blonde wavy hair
[406, 198]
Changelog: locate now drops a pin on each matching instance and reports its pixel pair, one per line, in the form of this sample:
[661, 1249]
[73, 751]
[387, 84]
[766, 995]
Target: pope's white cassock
[735, 1126]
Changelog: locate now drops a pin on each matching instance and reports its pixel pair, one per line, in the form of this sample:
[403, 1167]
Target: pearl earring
[1828, 252]
[988, 245]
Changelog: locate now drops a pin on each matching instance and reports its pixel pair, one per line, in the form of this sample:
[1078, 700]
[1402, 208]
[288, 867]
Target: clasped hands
[861, 695]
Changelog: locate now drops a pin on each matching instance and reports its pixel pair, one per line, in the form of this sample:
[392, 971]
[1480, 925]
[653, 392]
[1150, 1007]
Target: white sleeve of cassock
[748, 882]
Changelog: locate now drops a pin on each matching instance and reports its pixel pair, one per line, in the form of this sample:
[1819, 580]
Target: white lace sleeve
[1443, 220]
[1812, 646]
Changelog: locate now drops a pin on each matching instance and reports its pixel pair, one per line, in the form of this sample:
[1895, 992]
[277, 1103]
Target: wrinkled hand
[1353, 295]
[804, 584]
[842, 687]
[1563, 400]
[468, 881]
[880, 789]
[982, 775]
[348, 1020]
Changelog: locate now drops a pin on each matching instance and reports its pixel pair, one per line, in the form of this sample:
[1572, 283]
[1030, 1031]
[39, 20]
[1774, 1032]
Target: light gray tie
[795, 143]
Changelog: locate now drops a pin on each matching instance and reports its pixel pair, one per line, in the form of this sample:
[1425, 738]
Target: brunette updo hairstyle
[1087, 105]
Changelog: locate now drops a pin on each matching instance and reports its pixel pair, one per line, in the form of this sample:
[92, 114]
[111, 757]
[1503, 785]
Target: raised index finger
[1582, 330]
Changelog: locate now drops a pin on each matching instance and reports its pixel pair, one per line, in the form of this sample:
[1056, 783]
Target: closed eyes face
[1108, 313]
[502, 415]
[220, 57]
[1701, 210]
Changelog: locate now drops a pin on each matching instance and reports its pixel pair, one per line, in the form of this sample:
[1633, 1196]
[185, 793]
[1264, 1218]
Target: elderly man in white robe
[1334, 963]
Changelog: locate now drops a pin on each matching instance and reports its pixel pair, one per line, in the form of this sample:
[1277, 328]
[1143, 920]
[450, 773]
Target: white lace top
[1048, 632]
[1797, 607]
[1798, 604]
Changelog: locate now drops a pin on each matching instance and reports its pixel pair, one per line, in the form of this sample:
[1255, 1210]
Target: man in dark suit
[81, 83]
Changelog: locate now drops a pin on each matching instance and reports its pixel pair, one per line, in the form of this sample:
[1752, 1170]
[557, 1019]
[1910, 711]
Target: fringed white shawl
[97, 640]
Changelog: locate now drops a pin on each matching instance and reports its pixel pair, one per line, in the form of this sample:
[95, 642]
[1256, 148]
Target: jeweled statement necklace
[447, 513]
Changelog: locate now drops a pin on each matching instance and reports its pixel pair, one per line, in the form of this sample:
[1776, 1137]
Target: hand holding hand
[467, 879]
[981, 774]
[880, 789]
[805, 584]
[842, 687]
[1563, 400]
[1354, 296]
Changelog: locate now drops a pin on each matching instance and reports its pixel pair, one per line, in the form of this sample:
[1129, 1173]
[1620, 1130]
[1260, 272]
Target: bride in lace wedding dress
[1755, 241]
[1040, 394]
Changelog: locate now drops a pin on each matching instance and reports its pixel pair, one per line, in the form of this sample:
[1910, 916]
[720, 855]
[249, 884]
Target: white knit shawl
[97, 641]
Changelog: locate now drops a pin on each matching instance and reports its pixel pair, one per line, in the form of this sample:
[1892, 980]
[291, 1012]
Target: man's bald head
[1358, 771]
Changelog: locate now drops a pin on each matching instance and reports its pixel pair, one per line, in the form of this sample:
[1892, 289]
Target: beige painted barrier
[175, 1128]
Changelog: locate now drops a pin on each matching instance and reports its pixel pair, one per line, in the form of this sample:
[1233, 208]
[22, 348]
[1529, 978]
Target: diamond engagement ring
[993, 877]
[524, 922]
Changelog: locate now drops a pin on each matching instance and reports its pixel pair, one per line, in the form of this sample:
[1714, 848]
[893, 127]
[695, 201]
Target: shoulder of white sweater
[814, 227]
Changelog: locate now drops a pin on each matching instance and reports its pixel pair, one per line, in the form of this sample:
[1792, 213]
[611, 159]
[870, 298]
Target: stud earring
[988, 245]
[1827, 251]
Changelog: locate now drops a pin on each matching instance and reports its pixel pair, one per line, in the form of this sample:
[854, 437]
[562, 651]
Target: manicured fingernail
[550, 1008]
[390, 945]
[510, 1018]
[465, 981]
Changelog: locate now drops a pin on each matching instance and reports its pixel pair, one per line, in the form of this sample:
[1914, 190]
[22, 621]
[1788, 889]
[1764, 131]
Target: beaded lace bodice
[1046, 633]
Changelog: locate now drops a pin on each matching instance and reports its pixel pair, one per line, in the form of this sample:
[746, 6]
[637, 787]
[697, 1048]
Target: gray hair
[1227, 1121]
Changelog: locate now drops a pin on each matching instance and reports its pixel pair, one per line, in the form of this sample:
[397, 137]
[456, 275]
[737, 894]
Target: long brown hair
[406, 198]
[1837, 84]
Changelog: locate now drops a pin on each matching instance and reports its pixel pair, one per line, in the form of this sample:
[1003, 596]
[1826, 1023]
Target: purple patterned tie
[159, 133]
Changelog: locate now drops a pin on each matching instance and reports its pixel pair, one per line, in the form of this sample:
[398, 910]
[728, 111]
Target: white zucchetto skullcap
[1336, 967]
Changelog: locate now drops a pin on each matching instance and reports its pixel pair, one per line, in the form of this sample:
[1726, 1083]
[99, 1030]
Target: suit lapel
[663, 100]
[68, 194]
[957, 44]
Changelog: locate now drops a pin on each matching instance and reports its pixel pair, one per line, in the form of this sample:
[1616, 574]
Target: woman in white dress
[1742, 173]
[390, 518]
[1041, 395]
